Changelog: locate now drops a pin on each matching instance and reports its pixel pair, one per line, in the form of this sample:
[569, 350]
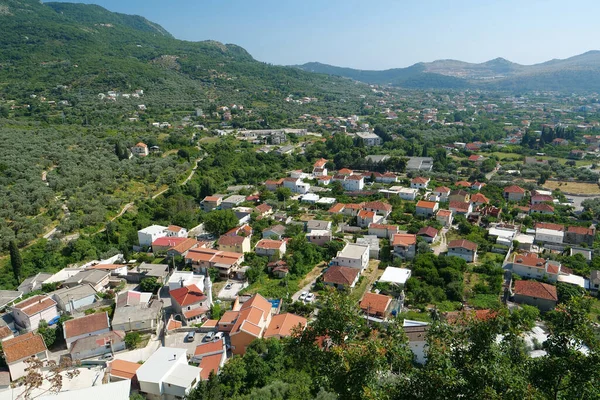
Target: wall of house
[418, 349]
[405, 252]
[69, 306]
[74, 338]
[98, 351]
[465, 254]
[17, 369]
[542, 237]
[240, 341]
[318, 240]
[542, 304]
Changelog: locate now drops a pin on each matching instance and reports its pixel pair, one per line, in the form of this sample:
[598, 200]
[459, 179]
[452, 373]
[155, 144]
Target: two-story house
[419, 183]
[226, 262]
[89, 325]
[579, 235]
[296, 185]
[382, 230]
[404, 245]
[234, 244]
[442, 192]
[140, 149]
[28, 313]
[426, 209]
[272, 249]
[190, 302]
[19, 349]
[211, 203]
[353, 255]
[514, 193]
[378, 207]
[365, 218]
[464, 249]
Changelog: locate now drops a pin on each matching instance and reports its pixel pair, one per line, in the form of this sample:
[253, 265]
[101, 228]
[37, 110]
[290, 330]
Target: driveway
[442, 246]
[177, 340]
[306, 288]
[231, 294]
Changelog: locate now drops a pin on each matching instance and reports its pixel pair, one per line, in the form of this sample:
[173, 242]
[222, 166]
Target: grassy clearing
[595, 310]
[368, 277]
[573, 187]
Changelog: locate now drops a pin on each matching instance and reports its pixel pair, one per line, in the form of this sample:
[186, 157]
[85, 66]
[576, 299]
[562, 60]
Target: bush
[132, 339]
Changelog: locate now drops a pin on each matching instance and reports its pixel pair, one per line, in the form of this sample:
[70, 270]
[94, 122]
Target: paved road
[577, 200]
[306, 288]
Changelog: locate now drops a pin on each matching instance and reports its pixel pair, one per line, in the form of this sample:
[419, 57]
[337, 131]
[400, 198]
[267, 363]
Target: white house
[350, 182]
[464, 249]
[409, 194]
[419, 183]
[296, 185]
[176, 231]
[369, 139]
[319, 237]
[167, 375]
[442, 193]
[28, 313]
[70, 299]
[545, 235]
[140, 149]
[149, 234]
[19, 349]
[417, 342]
[353, 255]
[396, 276]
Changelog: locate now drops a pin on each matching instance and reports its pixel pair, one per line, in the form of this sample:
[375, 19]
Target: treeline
[341, 356]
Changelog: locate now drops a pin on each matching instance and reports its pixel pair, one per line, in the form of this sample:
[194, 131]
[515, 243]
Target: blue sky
[381, 34]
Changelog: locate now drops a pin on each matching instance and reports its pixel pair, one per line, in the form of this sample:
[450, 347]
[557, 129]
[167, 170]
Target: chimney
[180, 282]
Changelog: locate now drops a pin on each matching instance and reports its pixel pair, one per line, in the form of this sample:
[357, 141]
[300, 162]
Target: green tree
[132, 340]
[218, 222]
[47, 333]
[150, 285]
[283, 193]
[16, 261]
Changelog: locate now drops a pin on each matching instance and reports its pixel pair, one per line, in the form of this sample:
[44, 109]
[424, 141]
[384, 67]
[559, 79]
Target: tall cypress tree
[15, 260]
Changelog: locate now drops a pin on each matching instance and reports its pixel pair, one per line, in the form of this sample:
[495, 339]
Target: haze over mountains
[578, 73]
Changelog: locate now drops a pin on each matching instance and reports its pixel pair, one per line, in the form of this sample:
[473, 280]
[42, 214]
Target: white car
[303, 296]
[310, 297]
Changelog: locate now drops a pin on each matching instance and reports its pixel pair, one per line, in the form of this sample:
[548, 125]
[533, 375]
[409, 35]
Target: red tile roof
[88, 324]
[340, 275]
[441, 189]
[23, 346]
[580, 230]
[337, 208]
[364, 214]
[209, 348]
[514, 189]
[463, 184]
[283, 324]
[479, 198]
[542, 207]
[444, 213]
[168, 241]
[374, 303]
[530, 260]
[420, 180]
[263, 208]
[536, 289]
[35, 304]
[460, 206]
[462, 243]
[173, 324]
[320, 163]
[428, 231]
[231, 240]
[345, 171]
[187, 295]
[5, 332]
[377, 205]
[269, 244]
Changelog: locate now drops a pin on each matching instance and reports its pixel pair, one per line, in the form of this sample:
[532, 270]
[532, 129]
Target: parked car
[228, 286]
[309, 297]
[209, 336]
[190, 336]
[303, 296]
[219, 336]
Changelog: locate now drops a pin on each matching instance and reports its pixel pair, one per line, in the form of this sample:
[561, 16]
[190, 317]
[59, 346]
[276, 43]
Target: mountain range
[90, 50]
[578, 73]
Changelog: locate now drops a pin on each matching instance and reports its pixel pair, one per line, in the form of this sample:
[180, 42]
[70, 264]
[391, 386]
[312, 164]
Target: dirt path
[442, 246]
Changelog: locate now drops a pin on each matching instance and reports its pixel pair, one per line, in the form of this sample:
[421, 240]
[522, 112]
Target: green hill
[92, 50]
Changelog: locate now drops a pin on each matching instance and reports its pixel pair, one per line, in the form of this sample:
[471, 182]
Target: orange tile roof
[124, 369]
[426, 204]
[174, 228]
[460, 205]
[542, 207]
[283, 324]
[263, 208]
[231, 240]
[428, 231]
[536, 289]
[5, 332]
[364, 214]
[210, 323]
[108, 267]
[208, 348]
[441, 189]
[195, 312]
[377, 205]
[185, 246]
[229, 317]
[168, 241]
[530, 260]
[374, 303]
[212, 199]
[339, 207]
[23, 346]
[173, 324]
[320, 163]
[141, 144]
[345, 171]
[88, 324]
[187, 295]
[463, 184]
[444, 213]
[209, 364]
[404, 239]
